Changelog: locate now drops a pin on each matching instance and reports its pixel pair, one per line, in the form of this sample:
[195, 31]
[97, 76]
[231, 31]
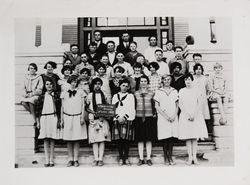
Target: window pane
[102, 21]
[117, 21]
[149, 21]
[164, 34]
[135, 21]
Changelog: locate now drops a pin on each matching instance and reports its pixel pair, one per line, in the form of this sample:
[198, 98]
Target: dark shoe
[149, 162]
[140, 162]
[70, 163]
[51, 164]
[100, 163]
[46, 165]
[95, 163]
[76, 163]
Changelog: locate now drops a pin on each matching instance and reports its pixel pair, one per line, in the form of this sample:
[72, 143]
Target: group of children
[148, 107]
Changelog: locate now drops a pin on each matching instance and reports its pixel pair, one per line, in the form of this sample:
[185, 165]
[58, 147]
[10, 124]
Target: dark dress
[145, 121]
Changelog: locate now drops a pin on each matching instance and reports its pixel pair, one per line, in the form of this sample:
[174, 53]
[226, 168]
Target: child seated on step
[218, 91]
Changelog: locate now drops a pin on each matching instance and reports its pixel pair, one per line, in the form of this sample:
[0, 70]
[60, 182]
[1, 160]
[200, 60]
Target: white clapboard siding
[180, 31]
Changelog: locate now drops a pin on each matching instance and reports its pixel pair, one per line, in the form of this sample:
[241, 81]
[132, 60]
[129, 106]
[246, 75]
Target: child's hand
[58, 124]
[82, 121]
[62, 123]
[38, 126]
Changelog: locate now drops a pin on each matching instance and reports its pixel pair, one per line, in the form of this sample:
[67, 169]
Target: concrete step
[110, 155]
[210, 158]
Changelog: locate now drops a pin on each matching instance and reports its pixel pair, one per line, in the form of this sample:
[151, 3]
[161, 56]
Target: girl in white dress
[166, 104]
[73, 123]
[98, 127]
[48, 112]
[191, 121]
[201, 82]
[66, 72]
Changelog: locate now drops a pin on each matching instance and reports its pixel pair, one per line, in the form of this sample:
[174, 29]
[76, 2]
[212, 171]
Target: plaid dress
[125, 107]
[154, 82]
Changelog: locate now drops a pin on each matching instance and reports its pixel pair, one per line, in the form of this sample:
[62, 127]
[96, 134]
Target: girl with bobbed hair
[191, 121]
[49, 74]
[32, 89]
[72, 119]
[166, 103]
[98, 126]
[145, 120]
[201, 82]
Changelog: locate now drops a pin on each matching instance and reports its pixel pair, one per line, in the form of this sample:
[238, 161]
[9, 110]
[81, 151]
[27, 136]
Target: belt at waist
[72, 114]
[48, 114]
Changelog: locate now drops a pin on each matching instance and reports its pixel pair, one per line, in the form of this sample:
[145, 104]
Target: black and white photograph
[108, 92]
[168, 79]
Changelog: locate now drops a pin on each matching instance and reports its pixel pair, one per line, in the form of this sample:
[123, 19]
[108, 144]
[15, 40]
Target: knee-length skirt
[145, 130]
[124, 131]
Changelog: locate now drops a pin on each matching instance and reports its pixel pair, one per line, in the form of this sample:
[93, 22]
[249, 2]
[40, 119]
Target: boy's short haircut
[176, 47]
[169, 41]
[158, 50]
[197, 55]
[95, 80]
[93, 44]
[110, 41]
[72, 45]
[152, 36]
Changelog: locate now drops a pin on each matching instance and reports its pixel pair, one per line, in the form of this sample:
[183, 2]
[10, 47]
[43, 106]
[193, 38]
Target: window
[125, 21]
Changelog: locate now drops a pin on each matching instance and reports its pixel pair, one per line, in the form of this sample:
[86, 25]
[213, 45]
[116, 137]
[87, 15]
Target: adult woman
[66, 72]
[191, 121]
[122, 129]
[131, 56]
[49, 74]
[32, 88]
[166, 99]
[201, 82]
[145, 121]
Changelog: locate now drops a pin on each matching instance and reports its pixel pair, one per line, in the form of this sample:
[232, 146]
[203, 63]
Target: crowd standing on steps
[155, 96]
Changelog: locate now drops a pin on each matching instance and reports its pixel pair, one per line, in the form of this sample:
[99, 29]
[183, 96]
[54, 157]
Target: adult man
[111, 53]
[178, 78]
[124, 45]
[163, 66]
[101, 48]
[84, 64]
[72, 55]
[197, 58]
[149, 52]
[92, 55]
[179, 58]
